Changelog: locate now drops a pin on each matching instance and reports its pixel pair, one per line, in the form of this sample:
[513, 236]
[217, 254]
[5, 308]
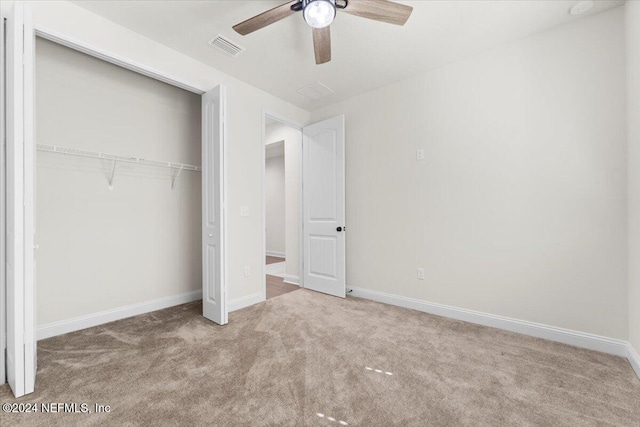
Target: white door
[214, 282]
[323, 195]
[20, 247]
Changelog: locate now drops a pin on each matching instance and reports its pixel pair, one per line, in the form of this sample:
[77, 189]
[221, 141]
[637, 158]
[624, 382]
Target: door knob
[339, 229]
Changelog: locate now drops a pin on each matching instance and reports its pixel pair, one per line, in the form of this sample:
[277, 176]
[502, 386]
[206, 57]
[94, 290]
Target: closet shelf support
[175, 177]
[176, 168]
[113, 174]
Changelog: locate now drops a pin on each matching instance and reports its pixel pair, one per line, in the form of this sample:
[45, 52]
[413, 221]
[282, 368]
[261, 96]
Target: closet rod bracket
[113, 174]
[175, 177]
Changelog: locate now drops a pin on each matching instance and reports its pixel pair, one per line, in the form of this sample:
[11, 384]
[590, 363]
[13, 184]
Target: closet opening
[118, 200]
[114, 187]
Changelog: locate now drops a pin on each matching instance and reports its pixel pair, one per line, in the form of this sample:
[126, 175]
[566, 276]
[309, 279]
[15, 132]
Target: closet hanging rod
[115, 157]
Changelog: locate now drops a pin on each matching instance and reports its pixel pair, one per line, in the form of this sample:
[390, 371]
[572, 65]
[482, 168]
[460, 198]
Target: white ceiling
[365, 54]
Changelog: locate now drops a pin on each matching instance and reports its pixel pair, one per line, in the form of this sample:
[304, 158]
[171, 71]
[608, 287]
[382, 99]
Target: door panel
[324, 264]
[324, 207]
[213, 193]
[322, 176]
[20, 195]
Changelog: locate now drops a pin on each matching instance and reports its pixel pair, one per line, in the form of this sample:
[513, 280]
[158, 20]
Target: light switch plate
[420, 274]
[244, 211]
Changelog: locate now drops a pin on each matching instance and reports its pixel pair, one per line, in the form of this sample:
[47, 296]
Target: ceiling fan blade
[322, 44]
[379, 10]
[265, 18]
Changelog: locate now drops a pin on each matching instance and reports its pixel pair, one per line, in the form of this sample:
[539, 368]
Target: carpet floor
[307, 359]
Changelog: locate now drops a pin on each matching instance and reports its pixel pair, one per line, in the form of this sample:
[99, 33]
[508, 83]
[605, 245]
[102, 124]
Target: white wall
[632, 25]
[275, 204]
[519, 208]
[245, 105]
[102, 249]
[292, 148]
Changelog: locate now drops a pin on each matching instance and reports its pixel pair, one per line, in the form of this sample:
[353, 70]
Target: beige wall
[102, 249]
[292, 148]
[275, 204]
[632, 11]
[245, 106]
[519, 208]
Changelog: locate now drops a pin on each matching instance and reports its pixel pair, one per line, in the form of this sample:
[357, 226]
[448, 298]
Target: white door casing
[3, 229]
[20, 197]
[214, 282]
[324, 206]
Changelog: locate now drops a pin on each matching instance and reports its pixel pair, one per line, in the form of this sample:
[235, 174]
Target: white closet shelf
[115, 157]
[176, 167]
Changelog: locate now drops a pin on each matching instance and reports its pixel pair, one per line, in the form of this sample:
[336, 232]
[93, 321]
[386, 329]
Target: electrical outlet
[420, 154]
[247, 271]
[244, 211]
[420, 274]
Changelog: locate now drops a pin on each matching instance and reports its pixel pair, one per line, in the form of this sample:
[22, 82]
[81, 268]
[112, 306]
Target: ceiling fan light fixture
[319, 13]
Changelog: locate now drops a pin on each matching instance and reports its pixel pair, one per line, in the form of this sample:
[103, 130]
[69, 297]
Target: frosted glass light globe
[319, 13]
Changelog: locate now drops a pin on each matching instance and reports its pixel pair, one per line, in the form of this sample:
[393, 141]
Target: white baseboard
[634, 359]
[65, 326]
[275, 254]
[243, 302]
[565, 336]
[290, 278]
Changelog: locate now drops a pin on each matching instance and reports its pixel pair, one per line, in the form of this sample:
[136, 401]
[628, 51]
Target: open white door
[214, 305]
[20, 193]
[324, 207]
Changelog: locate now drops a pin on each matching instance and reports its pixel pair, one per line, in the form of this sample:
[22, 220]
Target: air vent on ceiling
[315, 91]
[225, 45]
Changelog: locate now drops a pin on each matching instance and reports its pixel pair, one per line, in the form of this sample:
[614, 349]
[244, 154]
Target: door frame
[19, 202]
[3, 198]
[123, 62]
[297, 126]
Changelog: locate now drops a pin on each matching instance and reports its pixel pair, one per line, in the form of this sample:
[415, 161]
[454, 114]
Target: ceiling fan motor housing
[319, 13]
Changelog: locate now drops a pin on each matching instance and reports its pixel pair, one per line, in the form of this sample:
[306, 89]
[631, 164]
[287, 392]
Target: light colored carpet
[284, 361]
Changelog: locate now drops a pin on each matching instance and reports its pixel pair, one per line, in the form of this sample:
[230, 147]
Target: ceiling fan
[319, 14]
